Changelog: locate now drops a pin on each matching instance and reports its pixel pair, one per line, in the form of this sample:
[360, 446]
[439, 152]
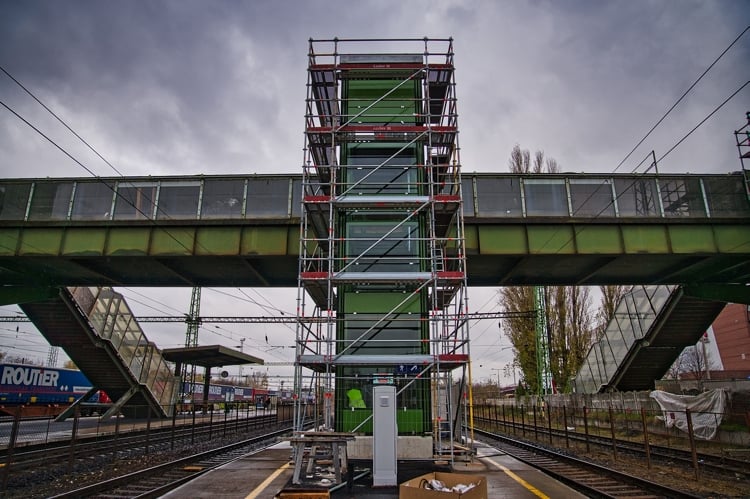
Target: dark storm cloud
[191, 91]
[218, 87]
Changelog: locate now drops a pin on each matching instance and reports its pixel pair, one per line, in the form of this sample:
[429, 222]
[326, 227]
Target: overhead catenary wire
[88, 170]
[78, 162]
[97, 177]
[704, 120]
[59, 119]
[578, 230]
[582, 226]
[681, 98]
[74, 159]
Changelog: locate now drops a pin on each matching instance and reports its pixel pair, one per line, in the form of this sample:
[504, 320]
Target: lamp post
[498, 378]
[241, 346]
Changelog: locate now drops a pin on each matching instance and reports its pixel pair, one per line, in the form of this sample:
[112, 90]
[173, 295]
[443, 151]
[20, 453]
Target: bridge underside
[566, 253]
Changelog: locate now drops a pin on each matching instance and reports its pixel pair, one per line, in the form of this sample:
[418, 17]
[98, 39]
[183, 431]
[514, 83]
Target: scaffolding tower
[382, 271]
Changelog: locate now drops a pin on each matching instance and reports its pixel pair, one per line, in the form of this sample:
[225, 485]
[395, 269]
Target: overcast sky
[188, 87]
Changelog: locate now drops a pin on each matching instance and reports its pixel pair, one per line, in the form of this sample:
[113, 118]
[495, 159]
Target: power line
[59, 119]
[49, 139]
[131, 290]
[116, 193]
[582, 226]
[681, 97]
[704, 120]
[471, 316]
[106, 184]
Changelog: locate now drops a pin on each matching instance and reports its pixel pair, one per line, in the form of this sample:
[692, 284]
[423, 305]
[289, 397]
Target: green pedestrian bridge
[243, 230]
[685, 236]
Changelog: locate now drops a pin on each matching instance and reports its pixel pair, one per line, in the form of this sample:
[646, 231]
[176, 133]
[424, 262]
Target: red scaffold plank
[447, 198]
[451, 275]
[317, 199]
[453, 357]
[382, 128]
[313, 275]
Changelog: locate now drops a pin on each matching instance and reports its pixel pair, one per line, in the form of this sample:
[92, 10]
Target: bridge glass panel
[598, 372]
[296, 196]
[636, 197]
[162, 387]
[13, 200]
[682, 197]
[135, 200]
[609, 361]
[122, 329]
[597, 369]
[584, 380]
[152, 364]
[545, 197]
[638, 311]
[468, 196]
[139, 358]
[98, 315]
[116, 333]
[267, 198]
[726, 196]
[592, 197]
[179, 200]
[222, 198]
[618, 343]
[51, 201]
[93, 201]
[499, 197]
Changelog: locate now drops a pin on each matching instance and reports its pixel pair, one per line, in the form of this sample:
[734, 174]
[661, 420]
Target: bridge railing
[274, 198]
[599, 196]
[112, 319]
[632, 320]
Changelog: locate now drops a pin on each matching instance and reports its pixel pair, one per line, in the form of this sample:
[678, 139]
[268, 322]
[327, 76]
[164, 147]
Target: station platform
[264, 474]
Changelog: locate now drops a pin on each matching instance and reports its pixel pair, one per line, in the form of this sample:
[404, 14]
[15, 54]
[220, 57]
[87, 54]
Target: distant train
[46, 391]
[219, 393]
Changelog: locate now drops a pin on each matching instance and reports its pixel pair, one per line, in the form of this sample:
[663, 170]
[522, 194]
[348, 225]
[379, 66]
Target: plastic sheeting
[706, 411]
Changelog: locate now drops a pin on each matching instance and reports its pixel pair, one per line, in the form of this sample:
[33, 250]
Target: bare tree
[520, 162]
[570, 321]
[611, 296]
[692, 363]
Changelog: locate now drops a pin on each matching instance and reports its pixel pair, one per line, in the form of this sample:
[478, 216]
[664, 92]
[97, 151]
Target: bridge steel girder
[507, 252]
[574, 253]
[150, 255]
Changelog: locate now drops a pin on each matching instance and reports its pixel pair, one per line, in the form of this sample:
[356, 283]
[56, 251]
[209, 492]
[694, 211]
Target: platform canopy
[209, 356]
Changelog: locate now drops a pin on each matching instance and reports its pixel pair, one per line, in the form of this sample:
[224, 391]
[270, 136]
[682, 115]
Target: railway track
[593, 480]
[717, 465]
[158, 480]
[123, 445]
[35, 471]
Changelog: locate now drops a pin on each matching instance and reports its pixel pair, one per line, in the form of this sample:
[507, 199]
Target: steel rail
[720, 465]
[157, 480]
[591, 479]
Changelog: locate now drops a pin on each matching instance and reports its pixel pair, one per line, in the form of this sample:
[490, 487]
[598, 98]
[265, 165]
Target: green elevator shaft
[381, 319]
